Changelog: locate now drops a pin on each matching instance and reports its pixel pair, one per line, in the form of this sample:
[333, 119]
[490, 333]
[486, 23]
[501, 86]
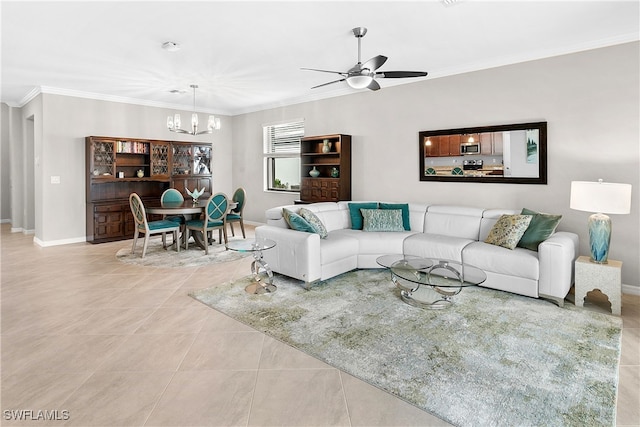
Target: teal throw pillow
[314, 222]
[382, 220]
[542, 226]
[508, 230]
[404, 207]
[296, 222]
[356, 215]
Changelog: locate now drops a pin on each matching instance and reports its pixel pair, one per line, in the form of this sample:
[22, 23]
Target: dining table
[189, 208]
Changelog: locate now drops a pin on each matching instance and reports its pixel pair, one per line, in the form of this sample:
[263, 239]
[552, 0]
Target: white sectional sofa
[436, 231]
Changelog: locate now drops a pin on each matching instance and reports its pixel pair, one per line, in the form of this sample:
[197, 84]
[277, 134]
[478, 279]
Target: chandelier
[174, 122]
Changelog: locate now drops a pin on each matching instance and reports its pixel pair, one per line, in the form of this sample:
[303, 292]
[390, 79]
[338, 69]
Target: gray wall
[590, 101]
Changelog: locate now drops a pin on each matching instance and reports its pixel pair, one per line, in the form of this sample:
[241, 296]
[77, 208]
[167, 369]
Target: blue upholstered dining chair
[235, 215]
[171, 195]
[150, 227]
[215, 216]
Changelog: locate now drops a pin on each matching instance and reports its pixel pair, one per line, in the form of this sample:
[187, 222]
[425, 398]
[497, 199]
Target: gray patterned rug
[157, 256]
[491, 359]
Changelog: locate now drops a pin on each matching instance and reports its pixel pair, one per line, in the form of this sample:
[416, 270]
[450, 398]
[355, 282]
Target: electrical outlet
[55, 179]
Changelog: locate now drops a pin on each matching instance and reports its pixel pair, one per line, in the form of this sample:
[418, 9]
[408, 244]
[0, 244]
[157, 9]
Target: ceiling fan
[363, 76]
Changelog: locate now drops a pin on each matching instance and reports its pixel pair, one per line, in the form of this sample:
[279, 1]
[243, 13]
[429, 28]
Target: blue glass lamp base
[599, 237]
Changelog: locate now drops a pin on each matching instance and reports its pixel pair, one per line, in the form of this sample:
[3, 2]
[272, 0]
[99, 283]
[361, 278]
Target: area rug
[157, 256]
[491, 359]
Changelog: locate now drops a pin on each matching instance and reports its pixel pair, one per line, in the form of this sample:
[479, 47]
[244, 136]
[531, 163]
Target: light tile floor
[120, 345]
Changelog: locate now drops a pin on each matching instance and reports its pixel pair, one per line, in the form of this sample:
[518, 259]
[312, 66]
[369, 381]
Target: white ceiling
[246, 56]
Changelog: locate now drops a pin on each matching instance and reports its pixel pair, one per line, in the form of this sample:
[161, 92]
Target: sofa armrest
[296, 254]
[556, 256]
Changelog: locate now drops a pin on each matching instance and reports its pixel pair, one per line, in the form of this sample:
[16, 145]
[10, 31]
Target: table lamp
[602, 198]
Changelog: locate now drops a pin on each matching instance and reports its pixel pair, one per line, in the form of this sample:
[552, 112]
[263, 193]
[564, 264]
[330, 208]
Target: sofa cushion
[376, 242]
[382, 220]
[356, 215]
[454, 221]
[404, 207]
[296, 222]
[542, 226]
[436, 246]
[314, 222]
[334, 215]
[336, 247]
[518, 262]
[508, 230]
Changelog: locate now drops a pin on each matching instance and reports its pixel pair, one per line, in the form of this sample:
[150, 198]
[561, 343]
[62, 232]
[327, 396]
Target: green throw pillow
[508, 230]
[314, 222]
[405, 212]
[356, 215]
[296, 222]
[382, 220]
[542, 226]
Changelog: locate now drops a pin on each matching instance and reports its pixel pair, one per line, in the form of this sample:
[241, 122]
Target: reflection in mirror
[514, 153]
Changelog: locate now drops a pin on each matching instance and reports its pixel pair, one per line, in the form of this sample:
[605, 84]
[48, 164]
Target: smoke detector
[171, 46]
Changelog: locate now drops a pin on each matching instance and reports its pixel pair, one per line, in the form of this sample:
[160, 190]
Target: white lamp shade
[601, 197]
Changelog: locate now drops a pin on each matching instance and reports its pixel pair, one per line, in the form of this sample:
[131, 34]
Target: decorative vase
[314, 172]
[140, 173]
[335, 173]
[326, 146]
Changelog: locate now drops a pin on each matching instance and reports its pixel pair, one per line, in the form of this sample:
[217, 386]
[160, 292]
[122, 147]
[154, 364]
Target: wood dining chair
[235, 214]
[149, 228]
[215, 217]
[171, 195]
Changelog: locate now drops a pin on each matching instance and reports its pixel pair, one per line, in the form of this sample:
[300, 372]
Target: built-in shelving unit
[330, 156]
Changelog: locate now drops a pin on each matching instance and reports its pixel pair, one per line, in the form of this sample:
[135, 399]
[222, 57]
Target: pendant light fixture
[174, 122]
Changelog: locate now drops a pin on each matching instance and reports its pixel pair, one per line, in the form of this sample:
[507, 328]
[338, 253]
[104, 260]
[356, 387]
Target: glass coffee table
[256, 246]
[430, 283]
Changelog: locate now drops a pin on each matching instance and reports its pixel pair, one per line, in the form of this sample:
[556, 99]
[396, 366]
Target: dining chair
[171, 195]
[235, 214]
[215, 217]
[149, 228]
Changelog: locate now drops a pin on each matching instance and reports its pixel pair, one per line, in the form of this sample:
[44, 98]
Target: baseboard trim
[58, 242]
[631, 289]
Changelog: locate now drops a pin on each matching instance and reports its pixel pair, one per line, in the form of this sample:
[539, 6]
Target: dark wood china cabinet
[117, 167]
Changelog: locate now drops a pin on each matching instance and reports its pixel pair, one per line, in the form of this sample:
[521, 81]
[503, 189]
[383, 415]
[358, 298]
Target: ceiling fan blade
[400, 74]
[375, 62]
[373, 85]
[330, 83]
[324, 71]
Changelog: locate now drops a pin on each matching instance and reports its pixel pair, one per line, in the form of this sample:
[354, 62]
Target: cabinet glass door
[181, 160]
[201, 160]
[103, 158]
[160, 159]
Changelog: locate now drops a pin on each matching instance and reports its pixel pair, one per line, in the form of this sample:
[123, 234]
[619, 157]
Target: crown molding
[49, 90]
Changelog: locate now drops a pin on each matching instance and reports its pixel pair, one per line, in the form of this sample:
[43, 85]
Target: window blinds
[284, 138]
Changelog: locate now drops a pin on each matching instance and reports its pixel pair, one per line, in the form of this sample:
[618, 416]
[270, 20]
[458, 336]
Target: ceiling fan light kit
[174, 123]
[363, 76]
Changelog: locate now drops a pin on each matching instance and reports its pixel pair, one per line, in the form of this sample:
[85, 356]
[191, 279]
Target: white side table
[605, 277]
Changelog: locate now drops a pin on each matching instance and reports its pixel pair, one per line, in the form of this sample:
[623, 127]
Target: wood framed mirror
[515, 153]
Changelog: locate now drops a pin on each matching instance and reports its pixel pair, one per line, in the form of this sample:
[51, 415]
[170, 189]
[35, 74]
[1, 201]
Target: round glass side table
[256, 246]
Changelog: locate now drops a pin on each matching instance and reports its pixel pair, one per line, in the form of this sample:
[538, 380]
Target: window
[282, 156]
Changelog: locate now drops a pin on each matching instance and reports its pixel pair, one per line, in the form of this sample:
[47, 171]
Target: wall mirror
[515, 153]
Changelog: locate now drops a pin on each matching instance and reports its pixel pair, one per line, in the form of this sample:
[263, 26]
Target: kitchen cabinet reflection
[515, 153]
